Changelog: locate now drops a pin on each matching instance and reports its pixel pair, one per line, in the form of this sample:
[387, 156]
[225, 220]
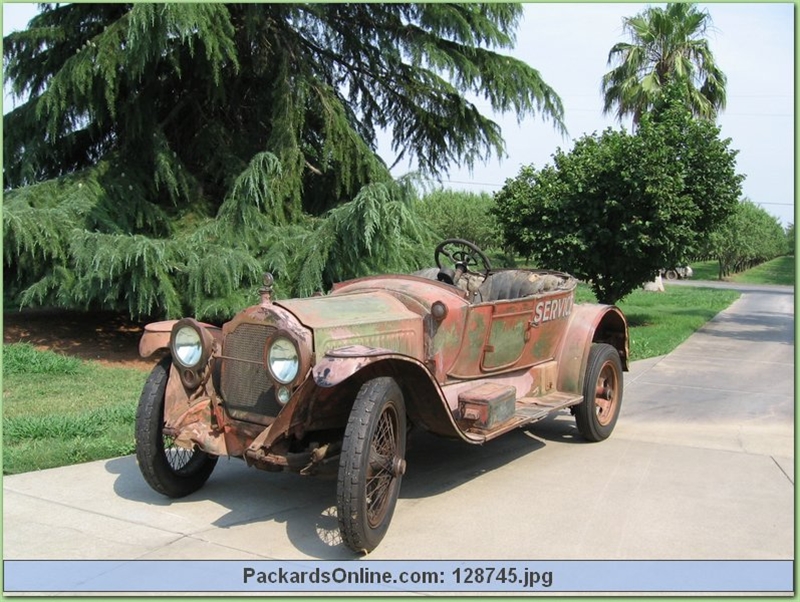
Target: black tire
[372, 464]
[597, 414]
[671, 275]
[169, 470]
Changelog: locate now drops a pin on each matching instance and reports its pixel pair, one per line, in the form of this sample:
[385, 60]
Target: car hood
[372, 319]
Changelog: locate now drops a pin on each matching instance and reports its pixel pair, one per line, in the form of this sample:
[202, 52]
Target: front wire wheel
[597, 414]
[170, 470]
[372, 464]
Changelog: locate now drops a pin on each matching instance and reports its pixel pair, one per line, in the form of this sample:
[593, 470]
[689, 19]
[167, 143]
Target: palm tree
[666, 43]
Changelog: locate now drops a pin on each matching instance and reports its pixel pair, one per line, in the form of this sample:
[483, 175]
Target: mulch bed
[109, 338]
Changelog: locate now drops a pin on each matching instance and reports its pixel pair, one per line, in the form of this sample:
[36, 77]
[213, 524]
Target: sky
[568, 44]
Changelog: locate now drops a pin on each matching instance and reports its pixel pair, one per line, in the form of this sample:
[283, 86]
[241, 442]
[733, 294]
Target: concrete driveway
[700, 466]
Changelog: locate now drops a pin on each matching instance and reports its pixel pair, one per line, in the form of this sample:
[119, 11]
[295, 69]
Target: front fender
[340, 364]
[425, 402]
[590, 323]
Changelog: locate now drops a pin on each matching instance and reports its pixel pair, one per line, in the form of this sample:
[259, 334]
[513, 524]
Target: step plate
[529, 410]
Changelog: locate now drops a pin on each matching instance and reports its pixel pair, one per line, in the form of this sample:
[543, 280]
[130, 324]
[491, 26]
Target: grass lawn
[59, 410]
[659, 322]
[780, 270]
[705, 270]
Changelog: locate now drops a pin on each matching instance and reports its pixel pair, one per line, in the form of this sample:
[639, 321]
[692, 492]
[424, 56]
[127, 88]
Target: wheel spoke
[605, 394]
[379, 462]
[378, 489]
[603, 406]
[177, 457]
[380, 473]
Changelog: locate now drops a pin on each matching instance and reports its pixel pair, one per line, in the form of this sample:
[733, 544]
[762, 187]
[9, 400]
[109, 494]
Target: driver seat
[442, 275]
[445, 275]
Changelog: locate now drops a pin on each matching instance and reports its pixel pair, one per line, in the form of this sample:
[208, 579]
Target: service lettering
[553, 309]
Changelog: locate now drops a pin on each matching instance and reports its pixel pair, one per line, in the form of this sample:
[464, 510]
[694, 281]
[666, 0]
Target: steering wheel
[464, 256]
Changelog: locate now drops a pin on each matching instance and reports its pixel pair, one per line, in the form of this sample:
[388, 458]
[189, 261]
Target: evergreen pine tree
[165, 154]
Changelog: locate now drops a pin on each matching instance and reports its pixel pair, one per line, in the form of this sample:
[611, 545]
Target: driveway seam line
[788, 477]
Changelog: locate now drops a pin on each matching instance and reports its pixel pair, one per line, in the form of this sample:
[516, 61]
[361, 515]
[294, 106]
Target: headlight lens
[283, 360]
[187, 347]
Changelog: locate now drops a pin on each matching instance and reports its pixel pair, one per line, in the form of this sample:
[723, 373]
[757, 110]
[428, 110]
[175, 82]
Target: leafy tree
[460, 214]
[747, 237]
[618, 207]
[790, 240]
[709, 178]
[166, 153]
[667, 44]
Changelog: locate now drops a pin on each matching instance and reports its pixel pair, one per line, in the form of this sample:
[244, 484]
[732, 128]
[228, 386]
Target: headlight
[283, 360]
[187, 346]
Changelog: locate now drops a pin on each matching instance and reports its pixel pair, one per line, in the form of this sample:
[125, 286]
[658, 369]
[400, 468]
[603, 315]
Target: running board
[550, 402]
[529, 410]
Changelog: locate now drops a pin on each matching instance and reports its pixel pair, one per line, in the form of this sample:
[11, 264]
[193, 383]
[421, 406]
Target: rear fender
[590, 323]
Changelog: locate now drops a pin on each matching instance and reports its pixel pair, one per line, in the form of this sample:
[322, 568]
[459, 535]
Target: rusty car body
[333, 382]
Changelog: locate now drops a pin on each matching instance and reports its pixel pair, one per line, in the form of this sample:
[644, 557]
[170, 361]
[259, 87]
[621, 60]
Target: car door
[508, 334]
[526, 331]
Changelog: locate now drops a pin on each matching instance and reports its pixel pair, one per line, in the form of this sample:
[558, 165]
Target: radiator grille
[246, 384]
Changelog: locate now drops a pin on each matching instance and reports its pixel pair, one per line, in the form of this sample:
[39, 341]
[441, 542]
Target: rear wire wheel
[170, 470]
[372, 464]
[597, 414]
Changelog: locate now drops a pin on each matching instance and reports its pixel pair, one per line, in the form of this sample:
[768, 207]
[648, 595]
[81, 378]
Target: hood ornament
[266, 290]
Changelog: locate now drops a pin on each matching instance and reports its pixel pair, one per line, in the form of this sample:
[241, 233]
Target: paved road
[701, 466]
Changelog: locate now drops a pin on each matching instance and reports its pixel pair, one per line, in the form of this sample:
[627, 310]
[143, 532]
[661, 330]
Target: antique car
[334, 382]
